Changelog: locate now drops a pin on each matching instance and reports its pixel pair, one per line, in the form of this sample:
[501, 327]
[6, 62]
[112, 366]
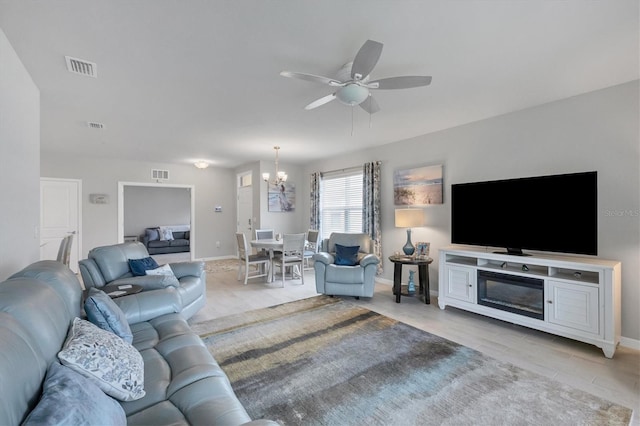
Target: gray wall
[19, 163]
[596, 131]
[150, 206]
[212, 187]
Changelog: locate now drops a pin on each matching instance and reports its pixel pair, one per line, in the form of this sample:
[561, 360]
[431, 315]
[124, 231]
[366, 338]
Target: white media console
[573, 297]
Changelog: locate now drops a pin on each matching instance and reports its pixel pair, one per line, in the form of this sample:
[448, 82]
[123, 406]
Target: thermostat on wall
[99, 198]
[218, 209]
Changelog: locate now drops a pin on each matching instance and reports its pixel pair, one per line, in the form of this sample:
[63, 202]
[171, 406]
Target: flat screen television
[556, 213]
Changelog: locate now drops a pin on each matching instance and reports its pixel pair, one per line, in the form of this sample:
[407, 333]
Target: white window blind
[341, 202]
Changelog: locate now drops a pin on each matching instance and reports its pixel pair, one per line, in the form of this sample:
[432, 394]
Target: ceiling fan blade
[366, 58]
[370, 105]
[321, 101]
[405, 82]
[312, 78]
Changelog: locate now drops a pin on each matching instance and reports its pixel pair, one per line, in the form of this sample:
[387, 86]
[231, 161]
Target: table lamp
[409, 218]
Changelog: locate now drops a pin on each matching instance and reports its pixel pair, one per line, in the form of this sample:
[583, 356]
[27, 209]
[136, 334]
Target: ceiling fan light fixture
[352, 94]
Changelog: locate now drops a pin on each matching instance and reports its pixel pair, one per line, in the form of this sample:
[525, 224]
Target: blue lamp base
[408, 248]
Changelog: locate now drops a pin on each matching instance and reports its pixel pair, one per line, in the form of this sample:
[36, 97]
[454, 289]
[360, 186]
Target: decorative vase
[408, 247]
[411, 286]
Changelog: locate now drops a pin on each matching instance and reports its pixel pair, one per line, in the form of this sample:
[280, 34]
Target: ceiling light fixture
[201, 164]
[281, 175]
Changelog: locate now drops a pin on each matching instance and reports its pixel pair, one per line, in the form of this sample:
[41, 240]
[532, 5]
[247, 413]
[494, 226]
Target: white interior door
[60, 216]
[245, 211]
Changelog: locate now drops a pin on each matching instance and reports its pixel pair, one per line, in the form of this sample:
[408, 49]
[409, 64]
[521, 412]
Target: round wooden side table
[423, 275]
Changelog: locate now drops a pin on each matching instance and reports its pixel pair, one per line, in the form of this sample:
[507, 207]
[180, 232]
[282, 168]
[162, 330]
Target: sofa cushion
[103, 312]
[140, 266]
[70, 399]
[113, 261]
[349, 239]
[180, 235]
[110, 362]
[347, 255]
[158, 244]
[166, 234]
[179, 243]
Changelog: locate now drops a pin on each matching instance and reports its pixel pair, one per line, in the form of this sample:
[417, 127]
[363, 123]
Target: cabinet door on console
[461, 283]
[574, 306]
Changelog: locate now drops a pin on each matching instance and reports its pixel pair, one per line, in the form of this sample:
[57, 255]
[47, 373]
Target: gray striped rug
[323, 361]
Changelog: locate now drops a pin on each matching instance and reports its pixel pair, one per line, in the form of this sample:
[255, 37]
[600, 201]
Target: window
[341, 202]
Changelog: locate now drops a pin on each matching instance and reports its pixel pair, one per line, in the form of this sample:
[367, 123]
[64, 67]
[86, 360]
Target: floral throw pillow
[101, 356]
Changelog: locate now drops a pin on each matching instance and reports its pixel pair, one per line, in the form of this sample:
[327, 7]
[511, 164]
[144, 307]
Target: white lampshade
[409, 218]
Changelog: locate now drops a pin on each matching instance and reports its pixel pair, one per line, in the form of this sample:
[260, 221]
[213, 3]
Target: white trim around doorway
[192, 188]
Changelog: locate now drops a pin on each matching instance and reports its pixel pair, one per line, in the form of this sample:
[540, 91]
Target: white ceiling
[199, 79]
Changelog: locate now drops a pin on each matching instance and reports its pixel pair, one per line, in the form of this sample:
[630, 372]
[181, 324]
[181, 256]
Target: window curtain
[314, 216]
[371, 207]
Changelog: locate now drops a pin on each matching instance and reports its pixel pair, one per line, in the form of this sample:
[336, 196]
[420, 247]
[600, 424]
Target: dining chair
[311, 246]
[246, 259]
[265, 234]
[64, 251]
[292, 255]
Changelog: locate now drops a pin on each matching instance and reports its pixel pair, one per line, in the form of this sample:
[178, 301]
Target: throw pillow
[104, 358]
[139, 266]
[166, 234]
[102, 311]
[347, 255]
[152, 234]
[70, 399]
[162, 270]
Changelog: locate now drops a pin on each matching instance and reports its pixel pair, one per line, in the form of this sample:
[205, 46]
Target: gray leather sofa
[180, 243]
[109, 265]
[183, 382]
[357, 280]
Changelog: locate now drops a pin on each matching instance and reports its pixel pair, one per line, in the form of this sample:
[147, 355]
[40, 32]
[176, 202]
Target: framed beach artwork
[282, 197]
[419, 186]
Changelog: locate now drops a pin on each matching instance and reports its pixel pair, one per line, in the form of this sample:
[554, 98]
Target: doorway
[190, 200]
[244, 206]
[60, 215]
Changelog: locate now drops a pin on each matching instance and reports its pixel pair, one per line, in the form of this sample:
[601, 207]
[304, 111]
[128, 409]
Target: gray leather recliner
[109, 265]
[334, 280]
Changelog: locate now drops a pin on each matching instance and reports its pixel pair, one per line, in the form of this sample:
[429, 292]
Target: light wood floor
[577, 364]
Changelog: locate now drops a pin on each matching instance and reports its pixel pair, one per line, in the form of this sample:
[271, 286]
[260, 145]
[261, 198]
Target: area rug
[324, 361]
[221, 265]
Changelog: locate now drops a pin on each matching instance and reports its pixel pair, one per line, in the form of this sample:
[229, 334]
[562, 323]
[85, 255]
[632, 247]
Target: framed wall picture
[419, 186]
[282, 197]
[422, 250]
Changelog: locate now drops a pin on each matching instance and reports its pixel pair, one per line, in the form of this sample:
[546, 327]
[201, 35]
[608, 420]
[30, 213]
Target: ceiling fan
[353, 82]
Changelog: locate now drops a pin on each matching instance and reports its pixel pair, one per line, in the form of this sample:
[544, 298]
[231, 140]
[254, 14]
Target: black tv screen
[556, 213]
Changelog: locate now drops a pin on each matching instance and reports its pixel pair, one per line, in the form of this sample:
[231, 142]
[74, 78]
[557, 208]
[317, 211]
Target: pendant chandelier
[281, 175]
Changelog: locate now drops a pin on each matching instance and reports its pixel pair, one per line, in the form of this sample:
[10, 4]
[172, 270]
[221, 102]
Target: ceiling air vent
[80, 66]
[95, 125]
[160, 174]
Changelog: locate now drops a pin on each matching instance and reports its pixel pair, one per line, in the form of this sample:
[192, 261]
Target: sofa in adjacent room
[111, 265]
[166, 376]
[167, 239]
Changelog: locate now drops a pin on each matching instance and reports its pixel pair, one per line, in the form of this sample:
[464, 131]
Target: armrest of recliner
[149, 282]
[183, 269]
[324, 257]
[147, 305]
[91, 275]
[369, 259]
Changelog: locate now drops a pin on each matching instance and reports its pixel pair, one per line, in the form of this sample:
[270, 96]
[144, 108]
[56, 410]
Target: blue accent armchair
[340, 280]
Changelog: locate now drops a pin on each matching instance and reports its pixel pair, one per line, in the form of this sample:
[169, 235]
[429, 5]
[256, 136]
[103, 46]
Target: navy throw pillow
[139, 266]
[347, 255]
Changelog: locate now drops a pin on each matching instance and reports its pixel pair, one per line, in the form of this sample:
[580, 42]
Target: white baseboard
[630, 343]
